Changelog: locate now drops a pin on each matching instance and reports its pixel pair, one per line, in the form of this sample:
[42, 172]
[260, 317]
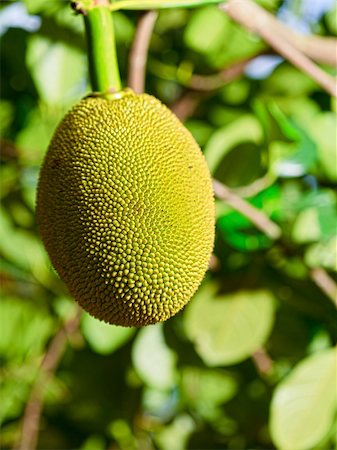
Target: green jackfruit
[125, 209]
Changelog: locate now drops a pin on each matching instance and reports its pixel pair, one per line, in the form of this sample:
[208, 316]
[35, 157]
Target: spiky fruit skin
[125, 209]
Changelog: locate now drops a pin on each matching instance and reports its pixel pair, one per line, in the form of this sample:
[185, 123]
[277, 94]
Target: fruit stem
[103, 64]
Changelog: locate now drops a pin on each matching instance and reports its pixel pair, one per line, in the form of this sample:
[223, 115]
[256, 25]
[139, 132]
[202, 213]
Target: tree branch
[139, 51]
[323, 280]
[220, 79]
[257, 217]
[51, 359]
[256, 19]
[262, 361]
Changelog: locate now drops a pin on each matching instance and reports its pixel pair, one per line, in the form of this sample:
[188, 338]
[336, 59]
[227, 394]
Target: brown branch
[257, 217]
[218, 80]
[323, 280]
[51, 359]
[321, 49]
[262, 222]
[256, 19]
[139, 51]
[185, 106]
[254, 188]
[262, 361]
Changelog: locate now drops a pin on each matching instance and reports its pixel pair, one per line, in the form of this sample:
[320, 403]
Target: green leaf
[304, 404]
[323, 254]
[207, 387]
[331, 20]
[239, 232]
[244, 129]
[206, 30]
[239, 45]
[24, 329]
[59, 71]
[152, 359]
[227, 329]
[34, 139]
[94, 442]
[6, 116]
[295, 158]
[102, 337]
[159, 4]
[176, 434]
[34, 6]
[322, 129]
[23, 249]
[307, 227]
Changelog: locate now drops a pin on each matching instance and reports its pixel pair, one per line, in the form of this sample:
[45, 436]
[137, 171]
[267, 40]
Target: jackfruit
[125, 209]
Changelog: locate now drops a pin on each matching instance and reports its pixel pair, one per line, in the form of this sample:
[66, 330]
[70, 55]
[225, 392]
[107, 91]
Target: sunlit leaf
[206, 30]
[24, 249]
[297, 83]
[102, 337]
[34, 139]
[25, 329]
[207, 387]
[227, 329]
[306, 227]
[304, 404]
[244, 129]
[323, 254]
[94, 442]
[160, 403]
[294, 158]
[59, 71]
[176, 434]
[322, 129]
[331, 20]
[152, 359]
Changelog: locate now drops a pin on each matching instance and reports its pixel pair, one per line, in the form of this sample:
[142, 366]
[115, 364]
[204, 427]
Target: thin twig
[33, 410]
[262, 361]
[185, 106]
[256, 19]
[218, 80]
[139, 51]
[257, 217]
[255, 187]
[262, 222]
[323, 280]
[322, 49]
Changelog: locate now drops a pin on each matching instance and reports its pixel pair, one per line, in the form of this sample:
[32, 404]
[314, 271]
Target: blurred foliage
[198, 380]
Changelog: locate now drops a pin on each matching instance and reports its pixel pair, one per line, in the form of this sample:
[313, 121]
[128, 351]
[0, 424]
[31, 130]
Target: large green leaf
[23, 249]
[25, 329]
[304, 404]
[59, 71]
[322, 129]
[152, 359]
[175, 436]
[227, 329]
[206, 30]
[244, 129]
[204, 387]
[102, 337]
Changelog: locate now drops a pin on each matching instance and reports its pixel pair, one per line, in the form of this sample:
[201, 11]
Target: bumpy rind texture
[125, 209]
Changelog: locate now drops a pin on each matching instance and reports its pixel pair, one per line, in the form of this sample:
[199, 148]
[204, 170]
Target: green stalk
[103, 64]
